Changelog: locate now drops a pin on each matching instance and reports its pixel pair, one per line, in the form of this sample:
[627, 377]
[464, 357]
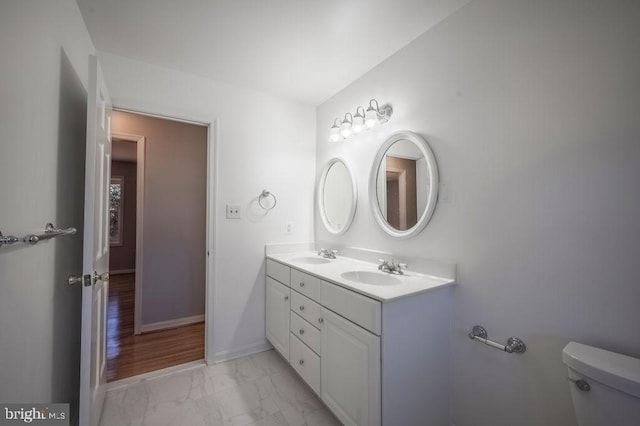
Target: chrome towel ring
[264, 195]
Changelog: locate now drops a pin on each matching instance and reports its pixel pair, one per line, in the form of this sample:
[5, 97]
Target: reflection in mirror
[337, 196]
[399, 195]
[405, 182]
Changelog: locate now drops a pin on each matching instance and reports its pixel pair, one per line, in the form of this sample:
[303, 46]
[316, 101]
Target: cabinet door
[277, 312]
[350, 371]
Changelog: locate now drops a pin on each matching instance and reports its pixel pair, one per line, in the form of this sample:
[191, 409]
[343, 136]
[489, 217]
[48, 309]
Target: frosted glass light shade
[371, 118]
[346, 129]
[358, 123]
[334, 134]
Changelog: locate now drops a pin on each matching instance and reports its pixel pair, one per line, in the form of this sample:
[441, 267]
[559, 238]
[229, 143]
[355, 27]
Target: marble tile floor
[260, 389]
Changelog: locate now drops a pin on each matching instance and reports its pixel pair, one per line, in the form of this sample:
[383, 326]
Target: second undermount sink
[370, 277]
[310, 260]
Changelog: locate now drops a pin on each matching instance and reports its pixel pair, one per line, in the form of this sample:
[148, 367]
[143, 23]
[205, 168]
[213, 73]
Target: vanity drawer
[362, 310]
[306, 363]
[278, 271]
[305, 332]
[305, 284]
[306, 308]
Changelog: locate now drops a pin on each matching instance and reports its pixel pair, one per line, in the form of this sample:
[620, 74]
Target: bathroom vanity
[374, 346]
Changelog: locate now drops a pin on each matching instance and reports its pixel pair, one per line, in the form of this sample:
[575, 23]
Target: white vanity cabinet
[277, 314]
[372, 362]
[350, 370]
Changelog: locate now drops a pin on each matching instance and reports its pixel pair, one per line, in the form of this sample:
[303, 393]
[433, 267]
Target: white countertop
[410, 283]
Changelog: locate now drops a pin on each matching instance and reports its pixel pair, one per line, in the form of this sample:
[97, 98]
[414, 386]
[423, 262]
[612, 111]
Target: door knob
[82, 279]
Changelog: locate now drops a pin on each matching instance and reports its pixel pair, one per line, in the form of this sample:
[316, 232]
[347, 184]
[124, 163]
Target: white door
[350, 371]
[96, 248]
[278, 305]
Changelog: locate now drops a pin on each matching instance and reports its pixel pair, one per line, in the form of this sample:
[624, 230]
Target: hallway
[129, 355]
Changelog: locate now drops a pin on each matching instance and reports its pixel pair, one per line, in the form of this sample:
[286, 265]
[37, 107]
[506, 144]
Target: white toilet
[605, 386]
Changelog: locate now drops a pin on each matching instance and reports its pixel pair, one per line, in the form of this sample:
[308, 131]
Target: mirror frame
[432, 197]
[320, 197]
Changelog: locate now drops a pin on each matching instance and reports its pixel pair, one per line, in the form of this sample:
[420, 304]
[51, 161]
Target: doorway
[158, 208]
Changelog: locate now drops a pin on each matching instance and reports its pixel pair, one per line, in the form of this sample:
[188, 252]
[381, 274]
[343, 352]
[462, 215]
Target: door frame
[140, 151]
[211, 203]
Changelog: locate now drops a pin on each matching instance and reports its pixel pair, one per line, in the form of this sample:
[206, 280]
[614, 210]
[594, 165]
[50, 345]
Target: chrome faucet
[391, 267]
[327, 254]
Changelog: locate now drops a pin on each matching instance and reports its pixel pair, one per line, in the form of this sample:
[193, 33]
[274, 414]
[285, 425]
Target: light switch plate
[233, 211]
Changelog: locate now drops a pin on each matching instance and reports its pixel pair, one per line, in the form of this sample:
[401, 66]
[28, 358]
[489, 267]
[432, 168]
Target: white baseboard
[240, 352]
[161, 325]
[122, 271]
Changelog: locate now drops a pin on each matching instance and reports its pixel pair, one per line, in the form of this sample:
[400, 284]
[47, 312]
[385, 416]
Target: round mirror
[337, 196]
[403, 188]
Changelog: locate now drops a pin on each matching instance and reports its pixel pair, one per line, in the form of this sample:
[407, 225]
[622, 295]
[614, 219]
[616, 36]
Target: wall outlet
[288, 228]
[233, 212]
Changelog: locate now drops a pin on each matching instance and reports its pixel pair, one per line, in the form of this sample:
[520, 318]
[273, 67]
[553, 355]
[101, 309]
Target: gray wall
[174, 243]
[532, 111]
[43, 77]
[124, 257]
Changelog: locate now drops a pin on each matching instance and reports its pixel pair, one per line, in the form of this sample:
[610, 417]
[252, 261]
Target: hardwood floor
[129, 355]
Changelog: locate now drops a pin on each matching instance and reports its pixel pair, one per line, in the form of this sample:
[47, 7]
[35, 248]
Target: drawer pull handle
[321, 320]
[286, 298]
[302, 307]
[302, 331]
[301, 284]
[301, 362]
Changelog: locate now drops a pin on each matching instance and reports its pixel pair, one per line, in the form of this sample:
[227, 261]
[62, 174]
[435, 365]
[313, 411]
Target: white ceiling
[306, 50]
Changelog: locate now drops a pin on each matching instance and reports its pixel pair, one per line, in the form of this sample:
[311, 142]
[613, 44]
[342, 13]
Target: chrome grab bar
[50, 231]
[513, 346]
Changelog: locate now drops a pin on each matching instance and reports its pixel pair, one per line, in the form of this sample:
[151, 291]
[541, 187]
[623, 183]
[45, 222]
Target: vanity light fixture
[345, 127]
[334, 135]
[362, 120]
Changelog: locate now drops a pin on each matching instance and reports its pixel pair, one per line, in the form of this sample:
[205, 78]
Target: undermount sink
[370, 277]
[310, 260]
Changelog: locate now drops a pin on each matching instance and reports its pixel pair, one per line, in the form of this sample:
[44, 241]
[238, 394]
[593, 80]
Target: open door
[96, 248]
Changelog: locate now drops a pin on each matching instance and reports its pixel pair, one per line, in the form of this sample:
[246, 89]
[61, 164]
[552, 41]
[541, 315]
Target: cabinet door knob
[302, 331]
[301, 284]
[321, 320]
[302, 307]
[301, 362]
[286, 298]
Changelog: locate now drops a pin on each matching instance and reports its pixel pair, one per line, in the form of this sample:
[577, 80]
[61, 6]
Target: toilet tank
[614, 381]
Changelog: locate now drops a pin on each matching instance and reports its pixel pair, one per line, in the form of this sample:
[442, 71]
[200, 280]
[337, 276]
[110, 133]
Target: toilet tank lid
[618, 371]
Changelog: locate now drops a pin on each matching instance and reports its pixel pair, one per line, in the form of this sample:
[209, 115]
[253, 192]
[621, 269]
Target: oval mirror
[337, 196]
[403, 187]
